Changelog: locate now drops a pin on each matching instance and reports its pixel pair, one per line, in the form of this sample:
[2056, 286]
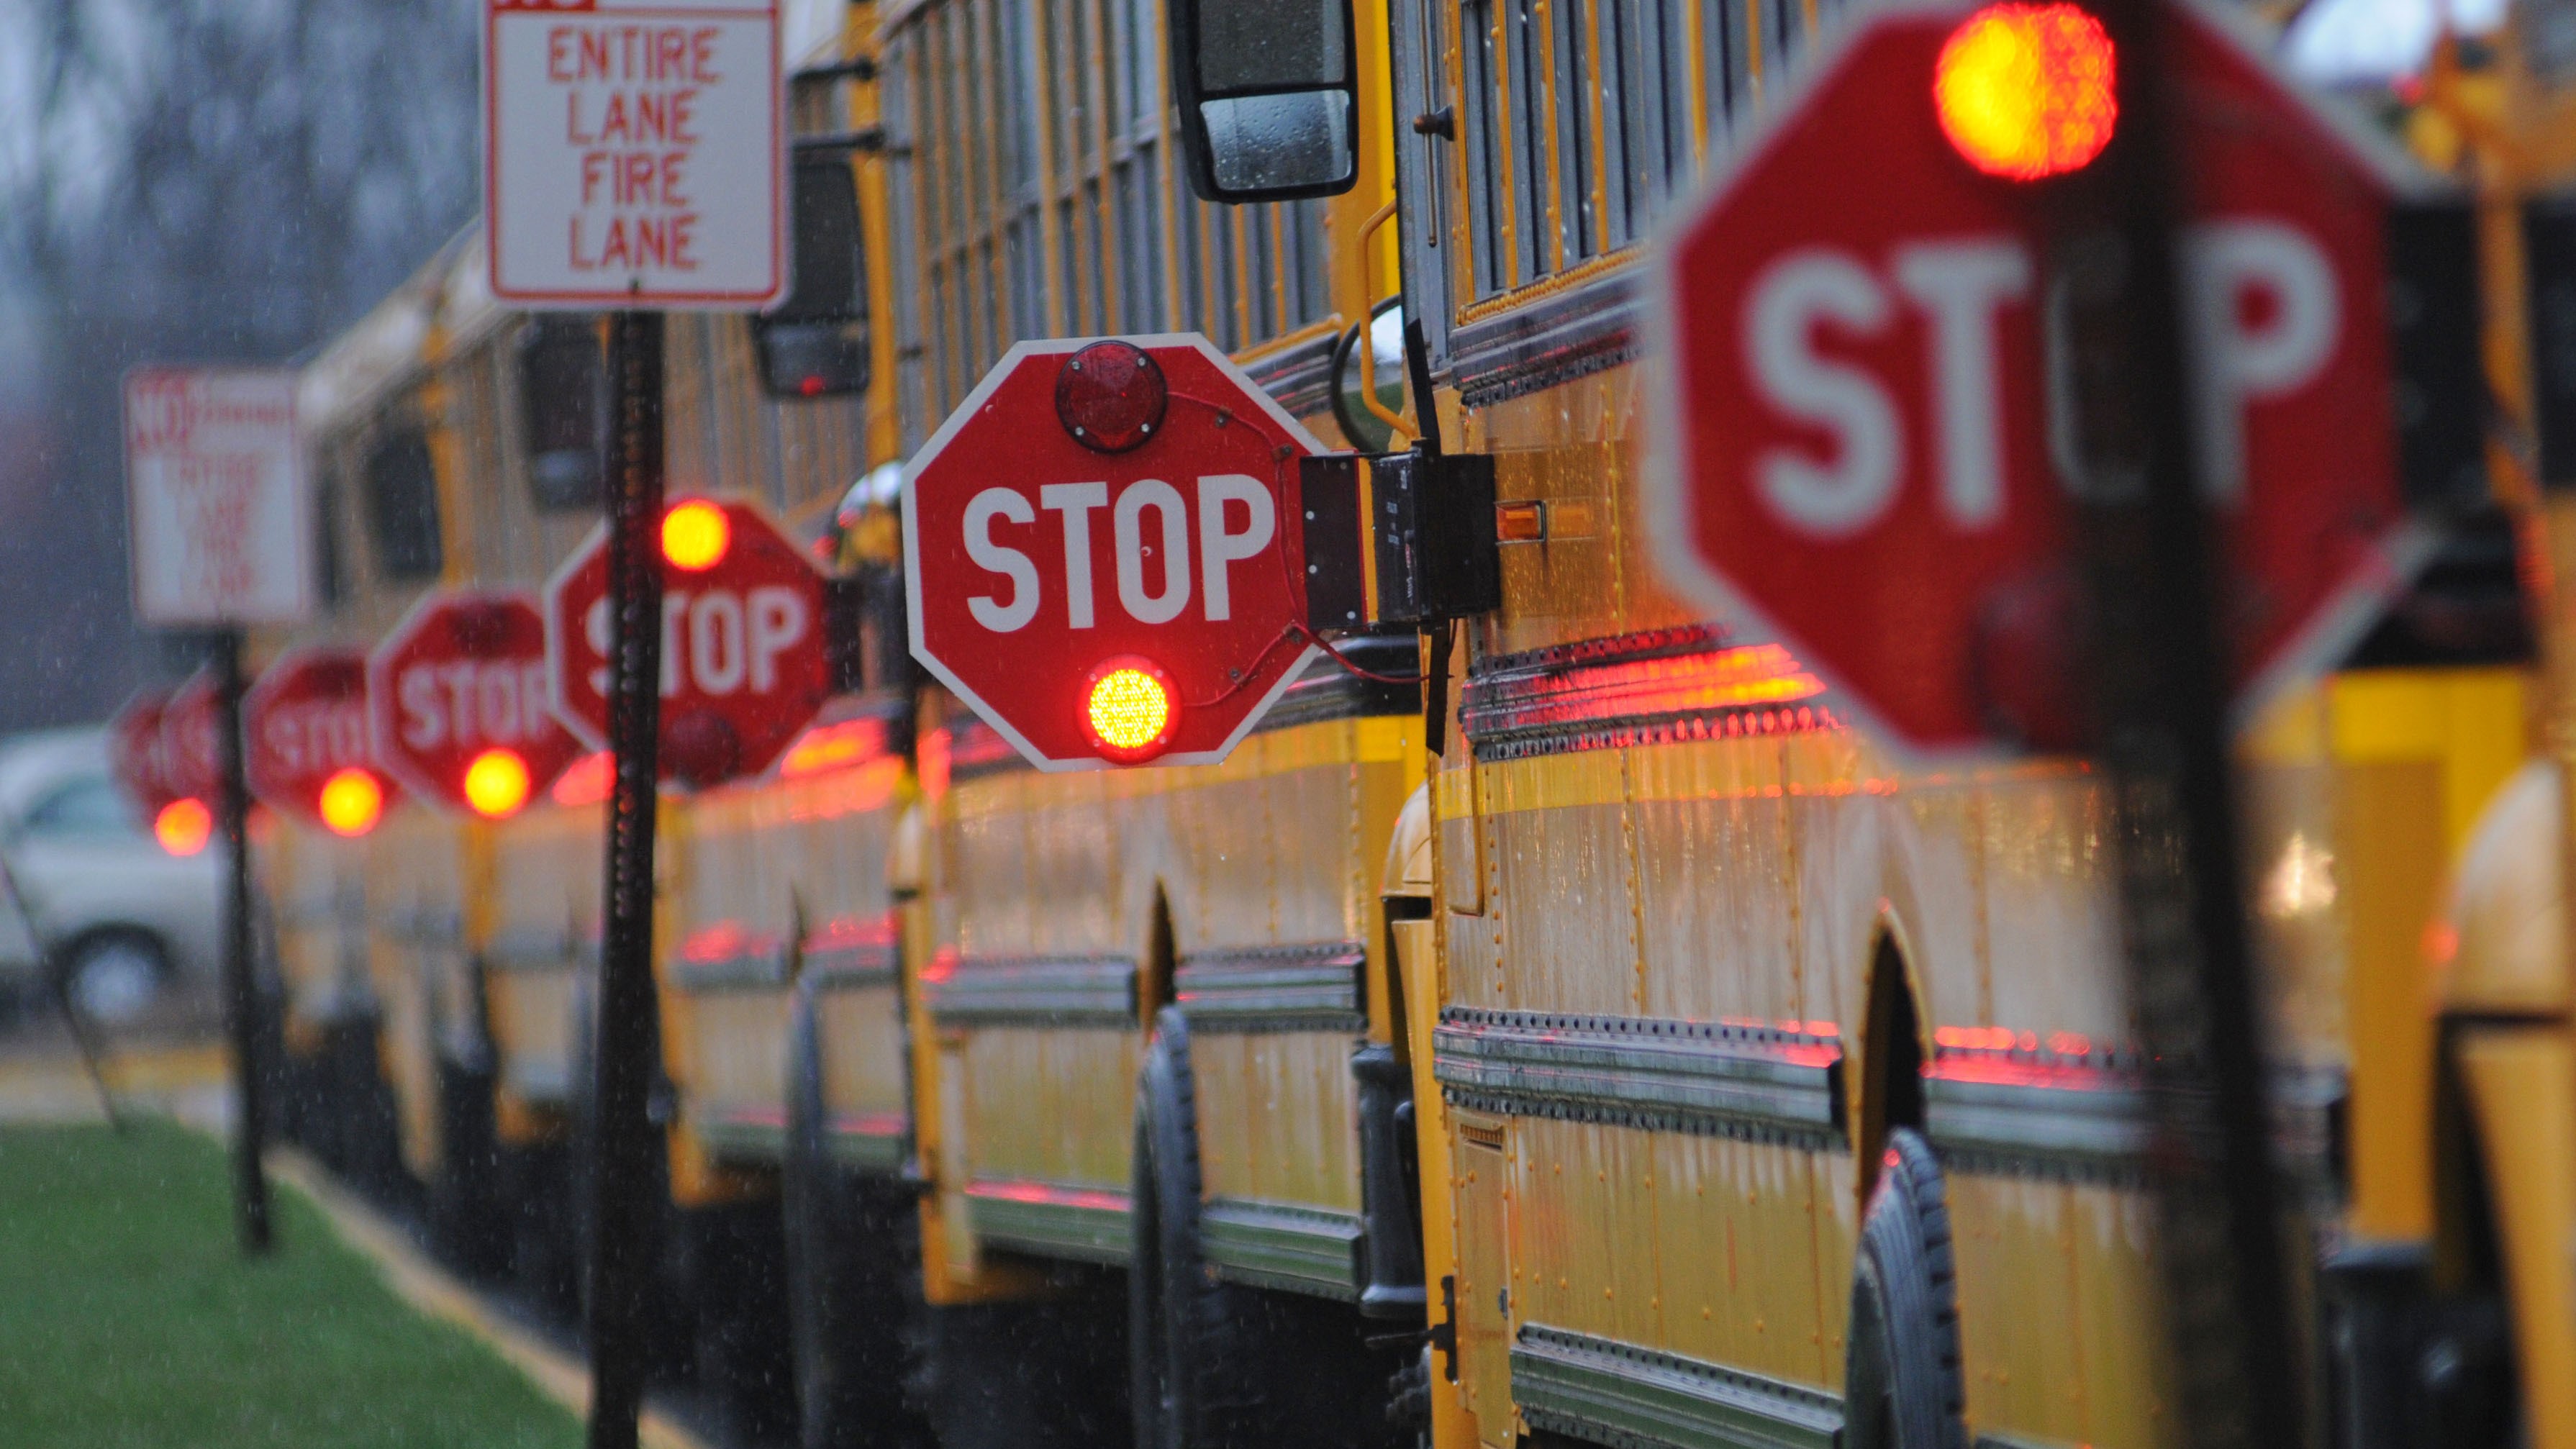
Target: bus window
[330, 569]
[562, 382]
[816, 343]
[402, 506]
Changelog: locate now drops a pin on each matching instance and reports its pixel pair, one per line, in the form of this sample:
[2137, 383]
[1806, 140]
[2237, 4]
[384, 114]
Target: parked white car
[131, 923]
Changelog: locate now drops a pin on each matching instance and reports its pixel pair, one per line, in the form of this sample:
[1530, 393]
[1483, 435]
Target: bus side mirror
[1268, 95]
[815, 344]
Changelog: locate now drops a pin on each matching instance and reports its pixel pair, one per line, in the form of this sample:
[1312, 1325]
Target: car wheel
[115, 977]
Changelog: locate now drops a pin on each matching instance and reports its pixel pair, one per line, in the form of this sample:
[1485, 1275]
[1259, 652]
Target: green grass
[128, 1320]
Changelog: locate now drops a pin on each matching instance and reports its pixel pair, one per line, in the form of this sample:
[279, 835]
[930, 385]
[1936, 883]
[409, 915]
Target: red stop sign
[1042, 570]
[192, 759]
[744, 661]
[1856, 450]
[304, 723]
[137, 754]
[456, 702]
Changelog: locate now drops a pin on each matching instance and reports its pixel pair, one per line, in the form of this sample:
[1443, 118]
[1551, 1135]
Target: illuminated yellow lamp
[2027, 91]
[496, 783]
[695, 536]
[184, 826]
[352, 801]
[1129, 709]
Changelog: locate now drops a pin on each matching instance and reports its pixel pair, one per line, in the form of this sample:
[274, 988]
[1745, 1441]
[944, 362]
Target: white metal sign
[634, 153]
[221, 529]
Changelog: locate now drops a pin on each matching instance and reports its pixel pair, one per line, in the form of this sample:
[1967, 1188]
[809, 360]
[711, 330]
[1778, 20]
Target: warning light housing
[352, 801]
[496, 783]
[1111, 397]
[696, 535]
[2027, 91]
[1128, 709]
[184, 826]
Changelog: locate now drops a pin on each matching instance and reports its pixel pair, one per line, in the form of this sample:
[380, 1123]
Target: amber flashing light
[352, 801]
[696, 535]
[2027, 91]
[496, 783]
[1129, 709]
[183, 827]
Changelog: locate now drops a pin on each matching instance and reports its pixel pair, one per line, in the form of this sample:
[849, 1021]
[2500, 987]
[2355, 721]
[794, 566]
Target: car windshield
[88, 806]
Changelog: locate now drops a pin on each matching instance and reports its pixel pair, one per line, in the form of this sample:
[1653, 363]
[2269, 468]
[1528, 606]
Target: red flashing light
[1128, 709]
[352, 801]
[587, 782]
[1111, 397]
[2026, 91]
[183, 827]
[496, 783]
[696, 536]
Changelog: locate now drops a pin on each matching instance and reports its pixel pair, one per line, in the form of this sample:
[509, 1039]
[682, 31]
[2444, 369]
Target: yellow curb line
[430, 1289]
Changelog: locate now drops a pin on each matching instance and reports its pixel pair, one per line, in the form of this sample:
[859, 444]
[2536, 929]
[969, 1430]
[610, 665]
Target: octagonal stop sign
[745, 665]
[305, 741]
[192, 759]
[1857, 448]
[456, 702]
[1098, 544]
[137, 755]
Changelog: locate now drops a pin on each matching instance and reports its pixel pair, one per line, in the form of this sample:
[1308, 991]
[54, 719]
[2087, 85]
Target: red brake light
[1111, 397]
[2026, 91]
[1129, 709]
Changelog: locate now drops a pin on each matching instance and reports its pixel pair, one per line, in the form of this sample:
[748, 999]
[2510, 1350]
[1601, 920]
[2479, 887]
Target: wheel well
[1890, 1089]
[1154, 989]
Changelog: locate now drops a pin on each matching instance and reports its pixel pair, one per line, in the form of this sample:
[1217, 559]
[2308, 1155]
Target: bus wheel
[1901, 1376]
[1189, 1382]
[853, 1245]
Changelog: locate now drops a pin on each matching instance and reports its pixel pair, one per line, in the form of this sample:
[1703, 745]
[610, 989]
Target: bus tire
[1190, 1382]
[853, 1246]
[1902, 1385]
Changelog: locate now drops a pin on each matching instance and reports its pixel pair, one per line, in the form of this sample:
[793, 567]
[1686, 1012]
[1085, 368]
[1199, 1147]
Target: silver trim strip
[1614, 1393]
[1645, 1072]
[1314, 987]
[1280, 1245]
[1051, 1221]
[1034, 991]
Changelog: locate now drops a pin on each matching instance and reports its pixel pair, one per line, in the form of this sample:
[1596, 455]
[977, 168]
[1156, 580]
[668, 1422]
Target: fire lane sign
[634, 153]
[219, 524]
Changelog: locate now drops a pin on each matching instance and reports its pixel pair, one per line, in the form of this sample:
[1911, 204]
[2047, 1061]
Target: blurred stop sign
[305, 740]
[1099, 551]
[456, 703]
[138, 755]
[1866, 440]
[744, 663]
[192, 758]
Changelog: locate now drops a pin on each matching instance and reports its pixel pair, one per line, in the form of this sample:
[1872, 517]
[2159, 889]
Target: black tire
[1902, 1387]
[465, 1223]
[1215, 1365]
[116, 977]
[853, 1270]
[732, 1279]
[1030, 1375]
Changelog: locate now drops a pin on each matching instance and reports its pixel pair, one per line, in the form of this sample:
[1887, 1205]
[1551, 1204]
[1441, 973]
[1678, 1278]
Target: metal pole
[2154, 588]
[241, 991]
[623, 1183]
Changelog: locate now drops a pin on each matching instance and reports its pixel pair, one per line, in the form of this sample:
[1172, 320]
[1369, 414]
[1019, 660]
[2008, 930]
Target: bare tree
[196, 180]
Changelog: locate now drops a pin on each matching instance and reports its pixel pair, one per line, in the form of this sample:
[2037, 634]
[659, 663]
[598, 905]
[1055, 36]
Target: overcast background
[187, 181]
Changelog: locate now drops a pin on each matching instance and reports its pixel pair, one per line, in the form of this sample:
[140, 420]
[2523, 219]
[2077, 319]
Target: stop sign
[1092, 540]
[456, 702]
[192, 758]
[304, 725]
[1857, 442]
[136, 753]
[744, 662]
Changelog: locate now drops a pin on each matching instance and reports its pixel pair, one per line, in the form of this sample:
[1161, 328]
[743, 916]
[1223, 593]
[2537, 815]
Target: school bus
[1597, 1040]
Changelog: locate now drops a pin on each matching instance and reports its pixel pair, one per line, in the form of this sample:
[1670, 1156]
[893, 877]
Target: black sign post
[623, 1177]
[2153, 586]
[241, 986]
